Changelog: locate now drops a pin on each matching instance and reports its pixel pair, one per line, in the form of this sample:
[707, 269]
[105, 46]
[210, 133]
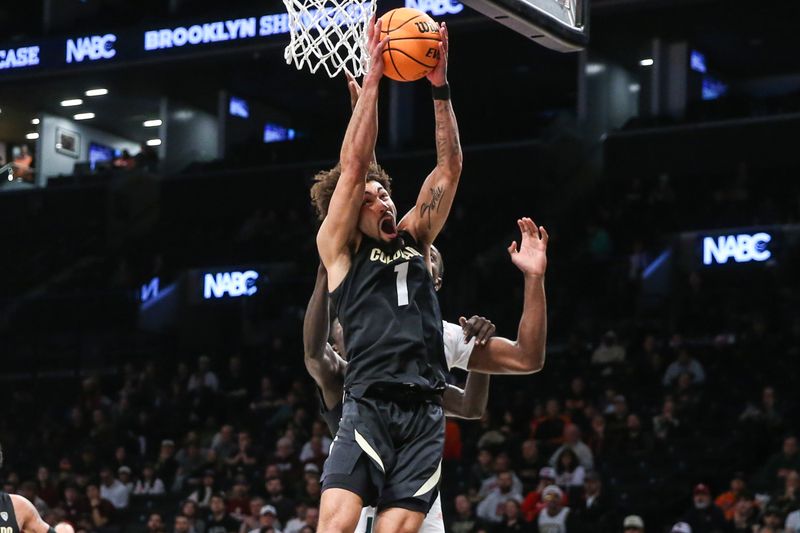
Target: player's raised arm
[525, 355]
[469, 402]
[339, 226]
[322, 362]
[427, 217]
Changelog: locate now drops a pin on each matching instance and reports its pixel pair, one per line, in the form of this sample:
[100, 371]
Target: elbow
[475, 413]
[531, 362]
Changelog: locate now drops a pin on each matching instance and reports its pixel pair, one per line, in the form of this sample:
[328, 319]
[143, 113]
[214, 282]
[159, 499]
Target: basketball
[413, 47]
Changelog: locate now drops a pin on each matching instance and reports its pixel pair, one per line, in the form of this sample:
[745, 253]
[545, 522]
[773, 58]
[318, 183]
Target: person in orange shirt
[727, 500]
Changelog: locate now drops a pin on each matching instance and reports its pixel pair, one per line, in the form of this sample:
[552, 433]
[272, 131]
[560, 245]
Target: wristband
[441, 93]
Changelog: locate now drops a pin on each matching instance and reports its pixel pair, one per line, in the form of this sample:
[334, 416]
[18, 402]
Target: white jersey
[553, 524]
[457, 353]
[433, 523]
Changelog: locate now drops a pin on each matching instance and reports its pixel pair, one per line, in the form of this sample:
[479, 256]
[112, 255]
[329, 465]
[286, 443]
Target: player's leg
[412, 485]
[339, 512]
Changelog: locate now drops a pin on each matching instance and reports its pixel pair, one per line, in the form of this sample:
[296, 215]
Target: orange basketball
[413, 47]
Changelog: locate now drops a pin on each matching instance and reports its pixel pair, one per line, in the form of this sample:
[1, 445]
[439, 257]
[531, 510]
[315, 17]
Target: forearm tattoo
[435, 203]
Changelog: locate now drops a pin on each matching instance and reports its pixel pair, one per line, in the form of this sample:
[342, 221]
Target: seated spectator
[312, 492]
[276, 498]
[191, 511]
[793, 522]
[609, 353]
[572, 441]
[219, 521]
[633, 524]
[113, 489]
[549, 428]
[267, 519]
[727, 500]
[781, 464]
[512, 520]
[502, 463]
[744, 514]
[246, 452]
[666, 425]
[635, 443]
[203, 376]
[577, 399]
[166, 465]
[101, 511]
[46, 487]
[772, 520]
[155, 523]
[75, 507]
[595, 509]
[250, 520]
[286, 459]
[555, 517]
[124, 476]
[767, 415]
[310, 519]
[569, 473]
[202, 494]
[316, 449]
[238, 500]
[492, 507]
[223, 443]
[149, 484]
[181, 525]
[464, 520]
[616, 426]
[482, 468]
[533, 503]
[597, 436]
[685, 364]
[529, 464]
[788, 499]
[704, 517]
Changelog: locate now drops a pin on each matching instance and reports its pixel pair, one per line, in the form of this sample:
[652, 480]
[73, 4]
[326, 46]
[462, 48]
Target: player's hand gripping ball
[413, 47]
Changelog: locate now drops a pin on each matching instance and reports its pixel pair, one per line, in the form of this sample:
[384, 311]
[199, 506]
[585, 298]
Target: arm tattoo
[436, 202]
[447, 142]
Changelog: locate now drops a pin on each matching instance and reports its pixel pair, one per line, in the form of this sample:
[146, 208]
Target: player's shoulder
[23, 507]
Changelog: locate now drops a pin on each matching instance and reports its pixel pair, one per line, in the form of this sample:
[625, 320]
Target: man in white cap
[633, 524]
[268, 517]
[555, 517]
[681, 527]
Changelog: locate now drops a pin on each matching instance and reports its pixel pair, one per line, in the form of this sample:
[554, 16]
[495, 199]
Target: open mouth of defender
[388, 226]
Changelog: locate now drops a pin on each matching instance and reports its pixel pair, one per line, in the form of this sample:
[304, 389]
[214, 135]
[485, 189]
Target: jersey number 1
[402, 284]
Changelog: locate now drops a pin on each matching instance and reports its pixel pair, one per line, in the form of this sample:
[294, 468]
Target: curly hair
[325, 183]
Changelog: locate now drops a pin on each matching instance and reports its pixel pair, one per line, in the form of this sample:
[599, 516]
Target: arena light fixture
[647, 62]
[35, 121]
[83, 116]
[152, 123]
[154, 142]
[32, 136]
[72, 102]
[96, 92]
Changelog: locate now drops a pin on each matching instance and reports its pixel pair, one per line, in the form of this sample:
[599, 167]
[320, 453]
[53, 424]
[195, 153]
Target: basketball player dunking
[18, 515]
[389, 444]
[327, 365]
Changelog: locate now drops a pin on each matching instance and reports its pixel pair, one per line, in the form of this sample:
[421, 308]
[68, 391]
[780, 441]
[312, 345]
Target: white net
[329, 34]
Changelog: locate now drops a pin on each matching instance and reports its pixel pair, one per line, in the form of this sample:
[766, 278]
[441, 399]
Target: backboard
[561, 25]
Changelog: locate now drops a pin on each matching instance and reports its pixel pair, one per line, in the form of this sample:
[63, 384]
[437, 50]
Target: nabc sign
[742, 248]
[232, 284]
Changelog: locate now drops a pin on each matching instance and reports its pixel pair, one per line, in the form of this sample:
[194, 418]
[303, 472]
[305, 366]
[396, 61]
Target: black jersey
[8, 518]
[391, 319]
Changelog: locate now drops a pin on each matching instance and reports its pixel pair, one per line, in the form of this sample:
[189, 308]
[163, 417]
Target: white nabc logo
[94, 47]
[436, 8]
[742, 248]
[234, 284]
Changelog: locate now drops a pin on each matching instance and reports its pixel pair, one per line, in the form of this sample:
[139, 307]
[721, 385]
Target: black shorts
[388, 453]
